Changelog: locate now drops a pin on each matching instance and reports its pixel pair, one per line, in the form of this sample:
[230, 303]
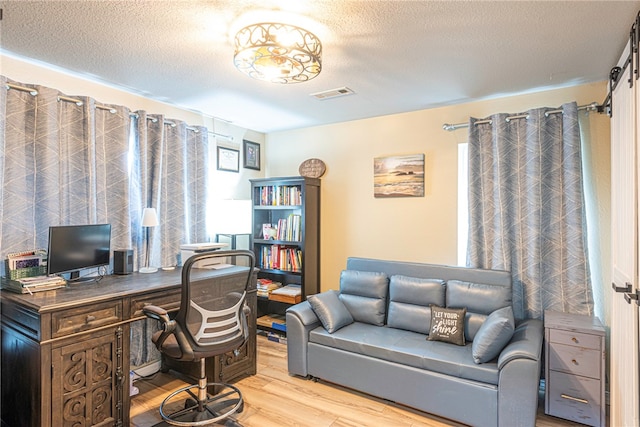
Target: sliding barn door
[623, 384]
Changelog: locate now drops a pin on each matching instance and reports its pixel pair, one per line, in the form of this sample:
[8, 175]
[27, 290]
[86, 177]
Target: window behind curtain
[463, 202]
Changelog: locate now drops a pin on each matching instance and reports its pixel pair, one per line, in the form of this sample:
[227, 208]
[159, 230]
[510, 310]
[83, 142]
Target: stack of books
[291, 294]
[265, 286]
[273, 321]
[29, 285]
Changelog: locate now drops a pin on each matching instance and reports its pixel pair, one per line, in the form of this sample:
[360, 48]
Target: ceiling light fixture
[278, 53]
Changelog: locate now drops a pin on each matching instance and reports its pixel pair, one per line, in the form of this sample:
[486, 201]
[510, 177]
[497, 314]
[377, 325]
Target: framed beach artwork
[398, 176]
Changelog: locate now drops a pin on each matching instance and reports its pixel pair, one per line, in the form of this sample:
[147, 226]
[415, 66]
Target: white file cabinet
[574, 368]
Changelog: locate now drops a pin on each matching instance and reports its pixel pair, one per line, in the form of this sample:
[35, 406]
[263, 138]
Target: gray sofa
[380, 344]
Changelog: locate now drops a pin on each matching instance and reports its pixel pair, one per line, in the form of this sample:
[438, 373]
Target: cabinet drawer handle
[90, 318]
[577, 399]
[574, 339]
[575, 362]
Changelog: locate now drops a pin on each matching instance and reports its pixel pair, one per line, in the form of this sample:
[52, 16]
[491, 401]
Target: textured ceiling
[397, 56]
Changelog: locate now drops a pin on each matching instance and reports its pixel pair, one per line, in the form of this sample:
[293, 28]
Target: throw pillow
[494, 334]
[330, 310]
[447, 324]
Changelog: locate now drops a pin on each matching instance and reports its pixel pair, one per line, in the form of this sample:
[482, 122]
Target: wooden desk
[65, 353]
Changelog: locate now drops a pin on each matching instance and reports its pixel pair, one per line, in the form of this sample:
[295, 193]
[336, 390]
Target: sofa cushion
[407, 348]
[494, 334]
[409, 302]
[330, 310]
[479, 299]
[447, 325]
[364, 293]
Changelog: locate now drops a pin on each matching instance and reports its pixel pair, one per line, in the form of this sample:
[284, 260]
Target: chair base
[181, 408]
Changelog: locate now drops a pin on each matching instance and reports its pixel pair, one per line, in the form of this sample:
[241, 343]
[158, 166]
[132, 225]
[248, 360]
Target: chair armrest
[156, 312]
[246, 311]
[520, 365]
[160, 314]
[300, 320]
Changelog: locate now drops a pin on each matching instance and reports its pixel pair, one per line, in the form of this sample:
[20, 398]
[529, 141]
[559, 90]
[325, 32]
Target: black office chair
[212, 320]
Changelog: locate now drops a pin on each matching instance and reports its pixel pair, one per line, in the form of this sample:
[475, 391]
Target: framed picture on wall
[398, 176]
[251, 155]
[228, 159]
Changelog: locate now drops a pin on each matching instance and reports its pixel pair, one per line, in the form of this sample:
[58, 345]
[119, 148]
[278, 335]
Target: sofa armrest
[525, 343]
[300, 320]
[520, 364]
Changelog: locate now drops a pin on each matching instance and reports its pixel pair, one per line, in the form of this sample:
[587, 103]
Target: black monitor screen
[74, 247]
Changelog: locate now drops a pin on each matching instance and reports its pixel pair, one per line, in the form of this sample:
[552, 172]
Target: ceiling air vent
[333, 93]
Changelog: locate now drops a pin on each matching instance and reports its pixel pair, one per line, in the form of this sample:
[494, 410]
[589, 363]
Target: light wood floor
[275, 399]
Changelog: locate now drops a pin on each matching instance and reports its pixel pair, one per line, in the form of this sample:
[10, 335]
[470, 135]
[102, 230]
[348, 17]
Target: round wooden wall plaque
[312, 168]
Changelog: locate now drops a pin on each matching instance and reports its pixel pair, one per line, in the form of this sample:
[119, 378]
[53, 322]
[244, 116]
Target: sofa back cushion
[479, 299]
[409, 302]
[364, 293]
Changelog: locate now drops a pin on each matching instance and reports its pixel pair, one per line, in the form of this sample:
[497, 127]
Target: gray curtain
[527, 209]
[171, 171]
[173, 179]
[62, 163]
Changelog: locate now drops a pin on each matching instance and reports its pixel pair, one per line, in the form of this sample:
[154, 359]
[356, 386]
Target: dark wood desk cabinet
[65, 353]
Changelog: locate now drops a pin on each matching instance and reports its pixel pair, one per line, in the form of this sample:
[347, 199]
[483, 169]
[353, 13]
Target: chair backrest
[213, 310]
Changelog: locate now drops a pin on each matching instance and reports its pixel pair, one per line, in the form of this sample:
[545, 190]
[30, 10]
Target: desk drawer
[85, 318]
[575, 339]
[575, 360]
[574, 398]
[169, 300]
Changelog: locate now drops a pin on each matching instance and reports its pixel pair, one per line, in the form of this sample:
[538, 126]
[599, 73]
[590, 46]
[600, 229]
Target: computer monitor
[76, 247]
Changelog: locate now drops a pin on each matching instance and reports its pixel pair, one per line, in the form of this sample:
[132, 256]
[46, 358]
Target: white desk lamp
[149, 219]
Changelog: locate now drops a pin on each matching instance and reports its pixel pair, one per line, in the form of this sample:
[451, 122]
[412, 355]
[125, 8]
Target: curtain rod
[594, 106]
[79, 102]
[22, 88]
[221, 135]
[60, 97]
[111, 109]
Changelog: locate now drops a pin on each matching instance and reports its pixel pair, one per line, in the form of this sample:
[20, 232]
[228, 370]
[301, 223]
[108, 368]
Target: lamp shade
[232, 217]
[149, 217]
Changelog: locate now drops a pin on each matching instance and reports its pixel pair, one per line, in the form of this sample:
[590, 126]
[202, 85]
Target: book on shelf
[265, 286]
[281, 257]
[280, 195]
[278, 337]
[271, 336]
[289, 228]
[291, 294]
[273, 321]
[286, 229]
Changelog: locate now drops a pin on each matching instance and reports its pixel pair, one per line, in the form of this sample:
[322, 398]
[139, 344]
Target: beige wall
[423, 229]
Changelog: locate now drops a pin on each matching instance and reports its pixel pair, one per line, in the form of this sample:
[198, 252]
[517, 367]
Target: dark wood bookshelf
[280, 192]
